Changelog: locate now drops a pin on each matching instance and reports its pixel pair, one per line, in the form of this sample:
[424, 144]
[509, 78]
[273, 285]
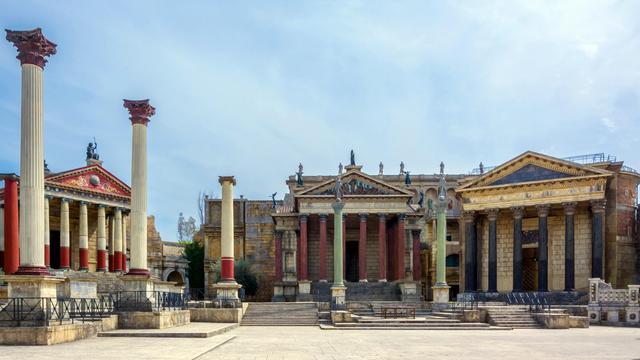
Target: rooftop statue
[481, 168]
[340, 169]
[92, 154]
[338, 189]
[442, 192]
[401, 168]
[381, 168]
[353, 158]
[407, 178]
[421, 199]
[273, 200]
[299, 181]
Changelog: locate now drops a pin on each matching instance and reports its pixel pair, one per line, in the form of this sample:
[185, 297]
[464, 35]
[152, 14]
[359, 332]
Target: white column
[83, 233]
[140, 112]
[124, 241]
[64, 234]
[47, 234]
[101, 239]
[111, 241]
[117, 240]
[226, 223]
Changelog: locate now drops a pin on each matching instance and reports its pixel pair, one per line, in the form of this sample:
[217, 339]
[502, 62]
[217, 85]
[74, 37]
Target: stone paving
[313, 343]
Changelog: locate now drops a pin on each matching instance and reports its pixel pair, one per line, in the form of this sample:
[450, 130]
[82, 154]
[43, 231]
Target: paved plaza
[313, 343]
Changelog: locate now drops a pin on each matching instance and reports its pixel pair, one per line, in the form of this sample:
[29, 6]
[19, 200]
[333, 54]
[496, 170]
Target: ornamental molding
[92, 179]
[356, 184]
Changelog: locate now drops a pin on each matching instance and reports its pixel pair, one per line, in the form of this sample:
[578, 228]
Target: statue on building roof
[407, 178]
[273, 199]
[401, 167]
[421, 199]
[338, 189]
[299, 181]
[92, 148]
[46, 167]
[481, 167]
[353, 157]
[381, 168]
[340, 167]
[441, 168]
[442, 191]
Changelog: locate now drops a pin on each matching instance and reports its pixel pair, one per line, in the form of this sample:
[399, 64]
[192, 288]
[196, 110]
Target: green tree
[244, 275]
[194, 253]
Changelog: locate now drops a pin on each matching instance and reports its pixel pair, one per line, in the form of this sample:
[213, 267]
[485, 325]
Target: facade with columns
[85, 220]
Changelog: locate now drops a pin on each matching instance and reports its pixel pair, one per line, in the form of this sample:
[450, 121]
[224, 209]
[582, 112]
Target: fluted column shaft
[124, 243]
[362, 249]
[401, 246]
[138, 202]
[338, 244]
[493, 251]
[417, 264]
[597, 236]
[117, 240]
[323, 247]
[470, 250]
[101, 240]
[32, 173]
[64, 234]
[47, 234]
[84, 237]
[111, 225]
[543, 248]
[517, 248]
[569, 246]
[382, 247]
[11, 238]
[302, 252]
[227, 233]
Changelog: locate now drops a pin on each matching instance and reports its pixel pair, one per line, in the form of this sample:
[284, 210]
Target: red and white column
[101, 240]
[83, 232]
[362, 249]
[382, 247]
[64, 234]
[11, 227]
[33, 47]
[124, 243]
[401, 246]
[1, 235]
[417, 265]
[226, 267]
[47, 233]
[111, 231]
[323, 247]
[117, 241]
[139, 111]
[303, 271]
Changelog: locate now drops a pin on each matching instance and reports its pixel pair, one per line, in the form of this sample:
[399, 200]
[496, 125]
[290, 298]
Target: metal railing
[194, 294]
[534, 301]
[148, 301]
[48, 311]
[578, 159]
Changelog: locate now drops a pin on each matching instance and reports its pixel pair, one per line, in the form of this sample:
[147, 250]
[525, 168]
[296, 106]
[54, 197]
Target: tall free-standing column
[543, 248]
[338, 244]
[493, 251]
[597, 243]
[227, 183]
[102, 240]
[11, 228]
[33, 47]
[84, 237]
[417, 265]
[441, 289]
[64, 234]
[470, 251]
[117, 240]
[401, 245]
[302, 252]
[47, 233]
[517, 248]
[140, 111]
[323, 247]
[569, 246]
[362, 249]
[382, 247]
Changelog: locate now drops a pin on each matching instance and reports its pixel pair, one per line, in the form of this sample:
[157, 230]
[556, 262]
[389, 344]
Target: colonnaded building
[535, 223]
[86, 229]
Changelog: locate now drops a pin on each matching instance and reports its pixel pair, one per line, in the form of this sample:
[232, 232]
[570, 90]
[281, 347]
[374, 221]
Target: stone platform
[193, 330]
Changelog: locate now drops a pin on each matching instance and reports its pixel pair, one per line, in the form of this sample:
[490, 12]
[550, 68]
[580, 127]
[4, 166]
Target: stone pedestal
[440, 296]
[338, 297]
[139, 293]
[138, 283]
[278, 292]
[633, 314]
[79, 288]
[227, 294]
[32, 286]
[409, 290]
[304, 291]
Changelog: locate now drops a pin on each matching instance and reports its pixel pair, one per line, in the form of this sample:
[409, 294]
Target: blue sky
[253, 88]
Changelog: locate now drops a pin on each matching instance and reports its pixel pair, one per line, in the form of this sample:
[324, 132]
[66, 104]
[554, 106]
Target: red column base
[64, 257]
[102, 261]
[47, 256]
[110, 262]
[226, 269]
[32, 270]
[143, 272]
[2, 259]
[117, 261]
[124, 262]
[84, 259]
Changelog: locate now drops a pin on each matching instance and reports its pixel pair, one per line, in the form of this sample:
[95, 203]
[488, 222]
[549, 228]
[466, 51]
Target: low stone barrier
[553, 321]
[222, 315]
[56, 334]
[610, 306]
[154, 319]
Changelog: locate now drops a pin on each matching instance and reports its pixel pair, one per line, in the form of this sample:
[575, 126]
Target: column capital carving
[139, 110]
[492, 214]
[102, 206]
[598, 206]
[323, 217]
[222, 179]
[517, 211]
[543, 210]
[82, 203]
[363, 217]
[32, 46]
[402, 216]
[48, 197]
[570, 208]
[469, 215]
[382, 217]
[66, 200]
[303, 217]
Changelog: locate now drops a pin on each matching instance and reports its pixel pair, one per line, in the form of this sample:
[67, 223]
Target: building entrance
[351, 259]
[54, 249]
[530, 269]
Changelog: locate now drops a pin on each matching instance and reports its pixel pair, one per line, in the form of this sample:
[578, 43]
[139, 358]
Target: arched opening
[453, 260]
[176, 277]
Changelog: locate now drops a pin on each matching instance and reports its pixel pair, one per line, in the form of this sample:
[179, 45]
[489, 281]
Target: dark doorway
[54, 249]
[530, 269]
[453, 292]
[351, 257]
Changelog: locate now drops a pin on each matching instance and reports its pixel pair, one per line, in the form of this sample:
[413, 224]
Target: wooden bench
[398, 312]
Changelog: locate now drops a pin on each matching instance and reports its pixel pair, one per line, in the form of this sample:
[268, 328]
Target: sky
[252, 88]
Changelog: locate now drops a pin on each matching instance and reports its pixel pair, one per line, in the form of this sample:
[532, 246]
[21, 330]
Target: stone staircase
[281, 314]
[513, 316]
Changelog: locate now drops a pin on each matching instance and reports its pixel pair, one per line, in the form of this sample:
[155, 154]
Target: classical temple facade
[535, 223]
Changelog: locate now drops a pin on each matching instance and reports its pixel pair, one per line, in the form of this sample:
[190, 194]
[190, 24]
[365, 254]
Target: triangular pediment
[92, 178]
[355, 183]
[532, 167]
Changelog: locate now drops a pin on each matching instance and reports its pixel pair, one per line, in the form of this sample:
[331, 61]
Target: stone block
[32, 286]
[578, 321]
[553, 321]
[471, 316]
[594, 314]
[613, 316]
[153, 320]
[79, 288]
[440, 296]
[338, 297]
[223, 315]
[341, 316]
[633, 314]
